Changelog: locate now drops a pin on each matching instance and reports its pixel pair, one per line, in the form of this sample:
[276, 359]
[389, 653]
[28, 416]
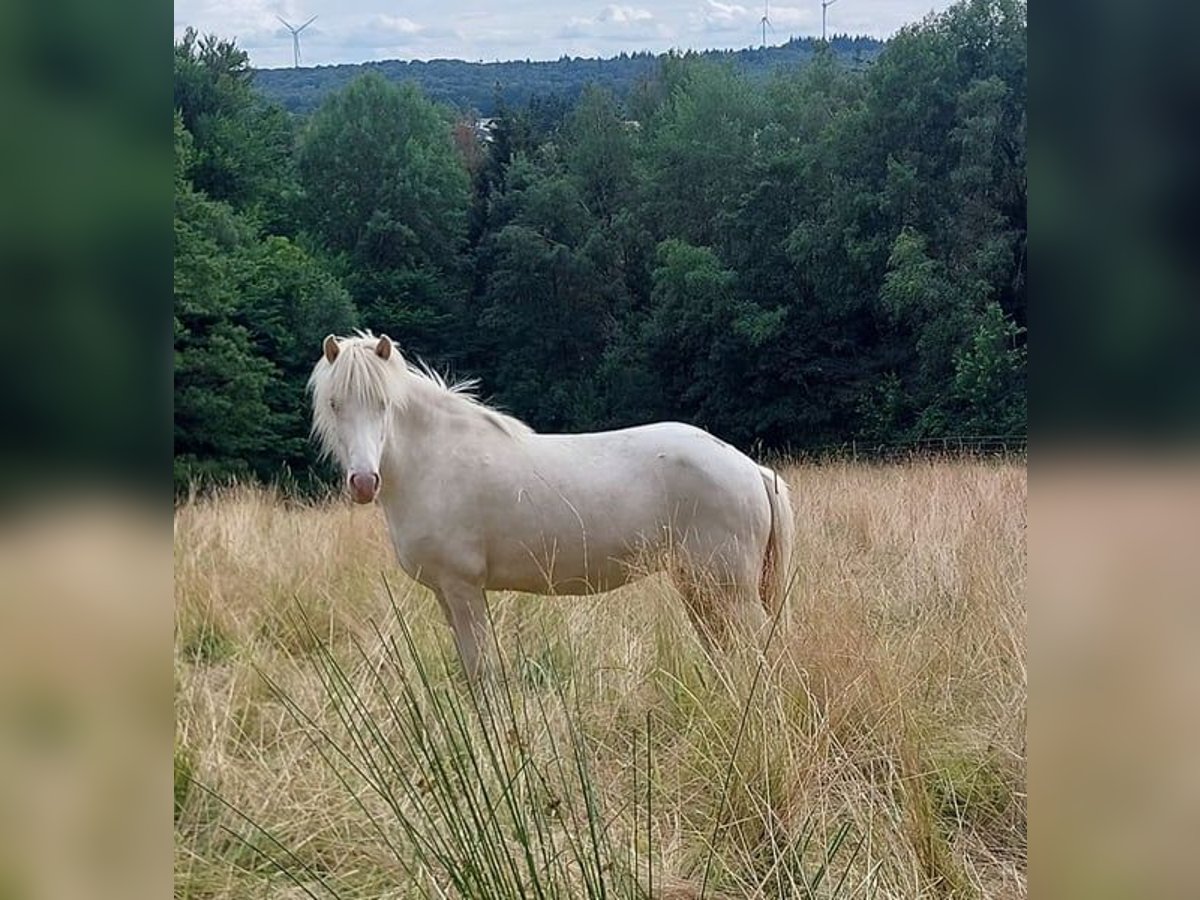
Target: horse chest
[426, 544]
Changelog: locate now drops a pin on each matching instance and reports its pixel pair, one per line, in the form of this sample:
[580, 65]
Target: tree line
[483, 86]
[829, 254]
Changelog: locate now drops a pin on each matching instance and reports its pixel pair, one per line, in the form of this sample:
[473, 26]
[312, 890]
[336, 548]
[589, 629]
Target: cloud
[719, 13]
[791, 16]
[619, 23]
[380, 30]
[715, 17]
[624, 14]
[396, 24]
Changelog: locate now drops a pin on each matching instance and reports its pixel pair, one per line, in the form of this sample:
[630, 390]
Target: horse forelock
[359, 374]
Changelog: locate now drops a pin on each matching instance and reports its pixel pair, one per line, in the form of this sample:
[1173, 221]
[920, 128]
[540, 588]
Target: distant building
[484, 128]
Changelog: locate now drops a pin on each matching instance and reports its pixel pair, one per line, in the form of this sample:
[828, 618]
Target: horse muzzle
[364, 486]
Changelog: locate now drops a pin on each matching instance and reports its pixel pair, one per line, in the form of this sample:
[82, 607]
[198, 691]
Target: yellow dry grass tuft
[886, 729]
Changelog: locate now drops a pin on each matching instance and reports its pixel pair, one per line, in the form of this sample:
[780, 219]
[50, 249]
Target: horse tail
[777, 561]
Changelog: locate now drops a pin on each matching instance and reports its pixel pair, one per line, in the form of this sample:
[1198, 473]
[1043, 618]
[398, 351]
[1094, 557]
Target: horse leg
[682, 577]
[465, 607]
[722, 602]
[700, 622]
[749, 616]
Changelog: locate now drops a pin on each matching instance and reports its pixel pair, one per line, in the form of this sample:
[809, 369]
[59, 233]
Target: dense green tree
[290, 302]
[989, 378]
[948, 99]
[242, 146]
[223, 425]
[695, 166]
[563, 267]
[600, 153]
[548, 296]
[544, 314]
[385, 190]
[249, 316]
[693, 354]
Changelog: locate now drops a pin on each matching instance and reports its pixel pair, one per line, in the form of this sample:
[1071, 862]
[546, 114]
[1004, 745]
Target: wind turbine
[296, 35]
[765, 21]
[825, 4]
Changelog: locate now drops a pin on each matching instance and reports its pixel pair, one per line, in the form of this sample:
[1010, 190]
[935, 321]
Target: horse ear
[384, 348]
[330, 346]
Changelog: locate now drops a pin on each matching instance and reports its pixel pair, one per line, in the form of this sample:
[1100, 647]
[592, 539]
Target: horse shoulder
[433, 530]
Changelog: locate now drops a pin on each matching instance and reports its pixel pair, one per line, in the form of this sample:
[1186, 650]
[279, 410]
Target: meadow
[327, 746]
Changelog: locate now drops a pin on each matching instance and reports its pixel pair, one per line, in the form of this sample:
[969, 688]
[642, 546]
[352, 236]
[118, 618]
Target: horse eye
[333, 405]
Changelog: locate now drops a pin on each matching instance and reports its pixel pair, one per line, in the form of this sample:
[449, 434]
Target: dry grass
[892, 716]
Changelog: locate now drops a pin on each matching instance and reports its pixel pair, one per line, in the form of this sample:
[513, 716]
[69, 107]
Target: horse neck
[417, 427]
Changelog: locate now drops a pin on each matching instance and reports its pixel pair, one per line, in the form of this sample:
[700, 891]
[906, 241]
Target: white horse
[476, 500]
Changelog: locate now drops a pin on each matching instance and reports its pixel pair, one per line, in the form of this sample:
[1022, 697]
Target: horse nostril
[364, 485]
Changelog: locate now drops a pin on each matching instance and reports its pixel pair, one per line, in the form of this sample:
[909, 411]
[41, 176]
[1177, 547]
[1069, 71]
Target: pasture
[877, 751]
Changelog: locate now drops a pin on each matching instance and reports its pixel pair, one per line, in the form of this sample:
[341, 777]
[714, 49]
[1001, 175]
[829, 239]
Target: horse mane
[359, 373]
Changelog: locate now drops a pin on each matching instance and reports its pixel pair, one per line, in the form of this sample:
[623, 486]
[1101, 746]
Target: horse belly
[596, 581]
[567, 565]
[565, 539]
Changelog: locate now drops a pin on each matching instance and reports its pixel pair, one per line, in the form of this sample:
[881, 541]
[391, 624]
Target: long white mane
[358, 373]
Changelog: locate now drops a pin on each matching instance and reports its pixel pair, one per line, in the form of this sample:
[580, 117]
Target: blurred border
[85, 247]
[1115, 487]
[1114, 203]
[85, 606]
[85, 450]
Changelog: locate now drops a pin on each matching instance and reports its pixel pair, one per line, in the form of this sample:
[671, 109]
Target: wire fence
[973, 446]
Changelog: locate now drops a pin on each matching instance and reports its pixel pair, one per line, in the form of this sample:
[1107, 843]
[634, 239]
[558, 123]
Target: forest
[831, 253]
[483, 86]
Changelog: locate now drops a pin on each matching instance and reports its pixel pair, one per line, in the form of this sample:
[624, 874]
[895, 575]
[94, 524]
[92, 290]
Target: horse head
[353, 397]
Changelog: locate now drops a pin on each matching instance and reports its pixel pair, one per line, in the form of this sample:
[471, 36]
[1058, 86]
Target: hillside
[476, 85]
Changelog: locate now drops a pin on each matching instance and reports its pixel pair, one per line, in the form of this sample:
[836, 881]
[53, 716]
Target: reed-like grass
[327, 746]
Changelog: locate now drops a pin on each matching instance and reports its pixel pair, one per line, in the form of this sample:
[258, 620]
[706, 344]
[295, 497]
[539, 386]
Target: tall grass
[326, 745]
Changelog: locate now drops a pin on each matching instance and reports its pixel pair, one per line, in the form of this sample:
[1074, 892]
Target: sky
[351, 31]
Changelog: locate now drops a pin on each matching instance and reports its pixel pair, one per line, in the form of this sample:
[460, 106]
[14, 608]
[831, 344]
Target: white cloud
[724, 12]
[614, 22]
[396, 24]
[380, 31]
[791, 16]
[624, 14]
[714, 17]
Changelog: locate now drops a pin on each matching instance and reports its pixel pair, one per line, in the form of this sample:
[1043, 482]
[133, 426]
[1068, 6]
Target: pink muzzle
[364, 486]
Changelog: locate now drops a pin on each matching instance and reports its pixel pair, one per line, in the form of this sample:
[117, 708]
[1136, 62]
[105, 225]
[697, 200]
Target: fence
[953, 446]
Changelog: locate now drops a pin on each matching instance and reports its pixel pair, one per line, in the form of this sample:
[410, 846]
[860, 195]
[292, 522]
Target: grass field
[879, 751]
